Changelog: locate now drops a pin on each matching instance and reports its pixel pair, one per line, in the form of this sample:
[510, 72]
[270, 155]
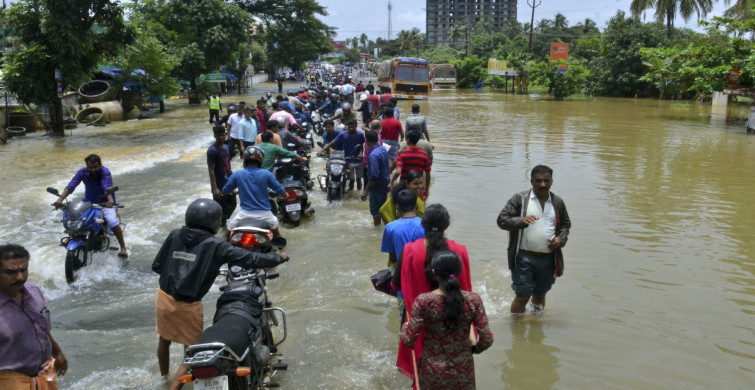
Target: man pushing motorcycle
[188, 262]
[97, 179]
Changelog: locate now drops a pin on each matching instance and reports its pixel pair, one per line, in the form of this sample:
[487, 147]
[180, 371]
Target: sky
[354, 17]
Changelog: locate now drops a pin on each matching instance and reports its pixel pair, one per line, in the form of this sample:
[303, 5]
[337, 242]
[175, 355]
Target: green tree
[352, 55]
[293, 32]
[470, 70]
[411, 41]
[560, 22]
[617, 70]
[72, 36]
[363, 40]
[205, 33]
[665, 10]
[560, 83]
[440, 55]
[150, 55]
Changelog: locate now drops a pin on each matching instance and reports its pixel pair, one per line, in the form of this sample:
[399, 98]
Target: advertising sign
[500, 68]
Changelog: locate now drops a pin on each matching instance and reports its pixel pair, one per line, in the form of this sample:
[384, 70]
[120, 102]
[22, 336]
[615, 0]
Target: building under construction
[442, 15]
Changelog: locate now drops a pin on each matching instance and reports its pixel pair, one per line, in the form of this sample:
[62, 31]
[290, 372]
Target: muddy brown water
[658, 290]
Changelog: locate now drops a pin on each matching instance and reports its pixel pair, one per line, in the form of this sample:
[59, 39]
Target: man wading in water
[538, 226]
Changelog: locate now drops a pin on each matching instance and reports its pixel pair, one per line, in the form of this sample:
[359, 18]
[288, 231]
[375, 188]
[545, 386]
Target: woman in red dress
[413, 275]
[445, 315]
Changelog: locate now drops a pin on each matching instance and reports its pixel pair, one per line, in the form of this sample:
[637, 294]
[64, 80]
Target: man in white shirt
[538, 226]
[233, 130]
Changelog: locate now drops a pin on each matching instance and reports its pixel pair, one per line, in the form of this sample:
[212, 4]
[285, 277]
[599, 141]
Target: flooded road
[658, 289]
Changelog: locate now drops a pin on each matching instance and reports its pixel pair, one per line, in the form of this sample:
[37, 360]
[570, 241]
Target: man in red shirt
[392, 132]
[261, 114]
[413, 158]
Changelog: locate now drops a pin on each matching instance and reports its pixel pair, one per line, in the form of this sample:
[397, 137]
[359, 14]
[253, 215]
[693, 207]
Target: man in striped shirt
[413, 158]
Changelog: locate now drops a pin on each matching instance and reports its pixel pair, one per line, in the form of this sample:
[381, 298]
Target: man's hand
[554, 243]
[319, 154]
[530, 219]
[217, 194]
[58, 203]
[364, 195]
[284, 256]
[61, 363]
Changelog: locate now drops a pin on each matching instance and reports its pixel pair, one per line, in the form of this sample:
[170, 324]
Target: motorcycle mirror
[53, 191]
[111, 189]
[278, 242]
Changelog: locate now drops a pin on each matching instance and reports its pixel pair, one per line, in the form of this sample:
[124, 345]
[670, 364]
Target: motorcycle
[255, 235]
[334, 181]
[84, 223]
[239, 350]
[294, 177]
[317, 123]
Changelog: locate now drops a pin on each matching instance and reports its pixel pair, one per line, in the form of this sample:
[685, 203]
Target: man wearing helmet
[188, 263]
[365, 107]
[284, 110]
[345, 114]
[252, 183]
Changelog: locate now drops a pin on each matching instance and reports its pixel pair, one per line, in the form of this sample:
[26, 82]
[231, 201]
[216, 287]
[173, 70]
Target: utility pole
[469, 19]
[390, 8]
[532, 20]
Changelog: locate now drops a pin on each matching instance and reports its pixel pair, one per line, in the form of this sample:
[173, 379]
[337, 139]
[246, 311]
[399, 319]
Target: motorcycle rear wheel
[75, 260]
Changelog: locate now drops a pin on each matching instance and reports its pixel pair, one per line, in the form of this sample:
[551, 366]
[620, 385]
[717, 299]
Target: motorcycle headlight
[73, 225]
[336, 169]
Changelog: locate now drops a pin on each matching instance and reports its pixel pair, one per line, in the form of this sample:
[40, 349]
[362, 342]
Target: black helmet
[254, 153]
[231, 108]
[204, 214]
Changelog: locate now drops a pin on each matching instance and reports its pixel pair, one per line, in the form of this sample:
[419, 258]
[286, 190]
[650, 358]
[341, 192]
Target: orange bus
[443, 76]
[405, 78]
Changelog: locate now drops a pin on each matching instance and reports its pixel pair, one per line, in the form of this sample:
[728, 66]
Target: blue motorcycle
[84, 222]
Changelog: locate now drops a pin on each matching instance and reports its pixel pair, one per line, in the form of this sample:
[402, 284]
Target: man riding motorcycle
[345, 114]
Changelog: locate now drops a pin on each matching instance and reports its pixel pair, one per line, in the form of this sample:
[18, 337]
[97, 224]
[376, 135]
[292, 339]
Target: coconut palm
[665, 10]
[410, 40]
[742, 9]
[544, 25]
[485, 26]
[560, 22]
[363, 40]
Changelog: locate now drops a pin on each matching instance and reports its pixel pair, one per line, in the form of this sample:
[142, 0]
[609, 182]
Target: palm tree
[457, 32]
[354, 42]
[740, 10]
[410, 40]
[544, 24]
[560, 22]
[485, 26]
[665, 10]
[363, 39]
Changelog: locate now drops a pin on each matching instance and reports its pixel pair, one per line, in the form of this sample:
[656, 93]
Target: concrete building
[442, 15]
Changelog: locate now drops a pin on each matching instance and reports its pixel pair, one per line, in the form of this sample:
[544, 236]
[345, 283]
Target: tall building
[442, 15]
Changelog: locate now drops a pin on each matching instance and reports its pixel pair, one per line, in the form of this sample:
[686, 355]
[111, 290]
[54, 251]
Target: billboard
[559, 51]
[500, 68]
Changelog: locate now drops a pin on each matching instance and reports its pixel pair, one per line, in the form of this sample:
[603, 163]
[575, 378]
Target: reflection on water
[658, 289]
[530, 362]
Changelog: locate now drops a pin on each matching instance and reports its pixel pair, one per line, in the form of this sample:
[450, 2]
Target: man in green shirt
[273, 151]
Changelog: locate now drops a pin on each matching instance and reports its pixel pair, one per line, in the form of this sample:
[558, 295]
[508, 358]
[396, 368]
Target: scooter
[239, 350]
[334, 181]
[294, 179]
[255, 235]
[84, 223]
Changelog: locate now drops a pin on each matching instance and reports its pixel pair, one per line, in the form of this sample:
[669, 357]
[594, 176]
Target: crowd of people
[443, 322]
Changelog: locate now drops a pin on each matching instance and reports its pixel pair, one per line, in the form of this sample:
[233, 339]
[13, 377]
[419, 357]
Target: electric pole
[390, 8]
[532, 20]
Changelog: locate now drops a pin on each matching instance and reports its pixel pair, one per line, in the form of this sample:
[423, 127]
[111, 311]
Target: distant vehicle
[443, 76]
[405, 78]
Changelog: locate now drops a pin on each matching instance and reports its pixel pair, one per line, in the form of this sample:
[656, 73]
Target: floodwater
[658, 290]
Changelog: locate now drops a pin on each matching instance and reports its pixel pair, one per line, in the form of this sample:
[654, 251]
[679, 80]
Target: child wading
[446, 314]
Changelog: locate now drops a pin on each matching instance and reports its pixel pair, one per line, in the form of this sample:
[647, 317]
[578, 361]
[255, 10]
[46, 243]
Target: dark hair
[412, 137]
[13, 251]
[371, 136]
[351, 122]
[328, 122]
[217, 129]
[415, 108]
[435, 220]
[405, 200]
[263, 101]
[388, 112]
[444, 264]
[242, 103]
[267, 136]
[540, 169]
[274, 105]
[408, 177]
[394, 101]
[271, 123]
[93, 158]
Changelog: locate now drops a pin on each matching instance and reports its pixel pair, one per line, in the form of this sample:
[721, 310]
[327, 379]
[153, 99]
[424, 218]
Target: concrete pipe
[91, 115]
[94, 91]
[113, 110]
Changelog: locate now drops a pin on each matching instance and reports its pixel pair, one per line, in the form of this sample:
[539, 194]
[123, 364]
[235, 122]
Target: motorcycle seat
[252, 224]
[231, 330]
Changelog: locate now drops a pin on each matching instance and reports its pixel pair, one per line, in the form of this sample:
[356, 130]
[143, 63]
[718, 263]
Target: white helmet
[363, 97]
